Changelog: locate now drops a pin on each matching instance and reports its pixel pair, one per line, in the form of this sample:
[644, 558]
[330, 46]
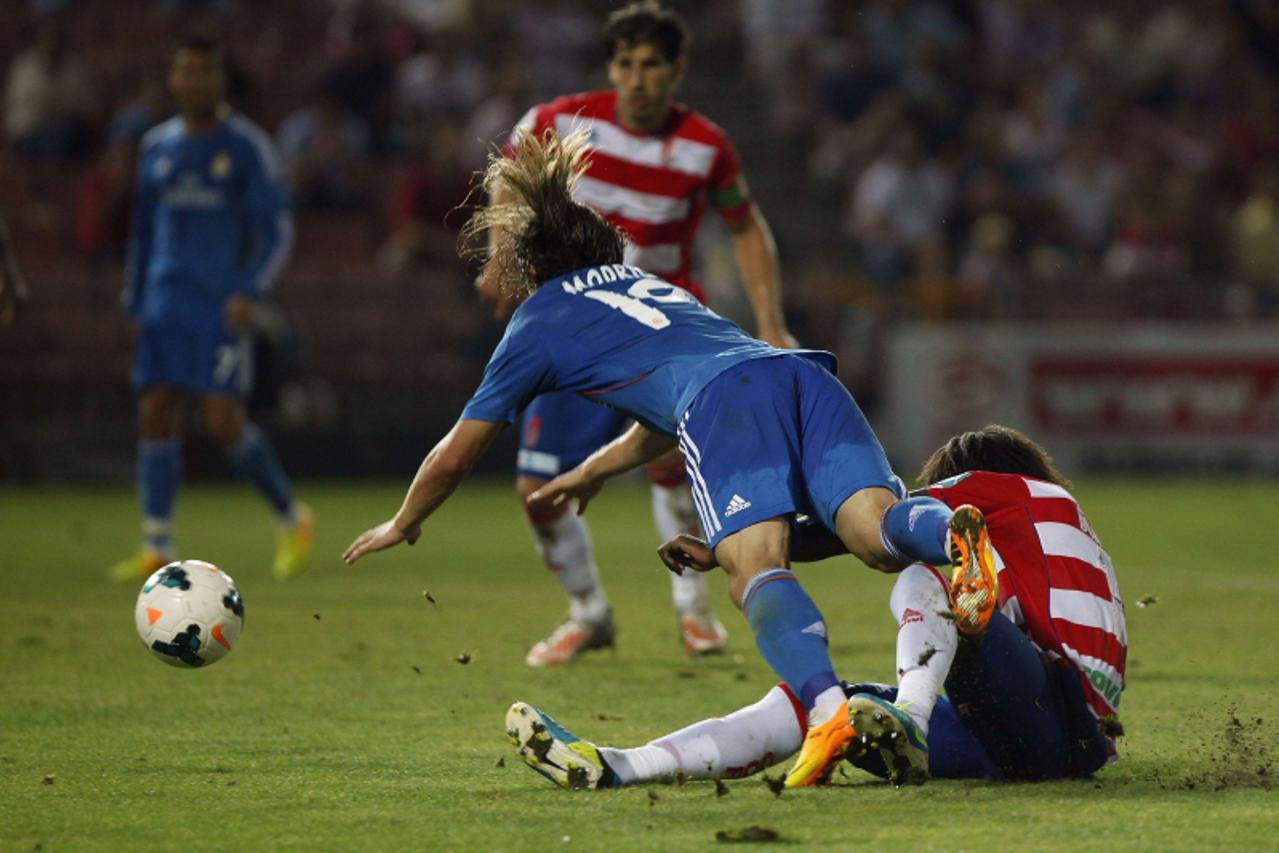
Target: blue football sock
[254, 459]
[915, 529]
[159, 470]
[790, 633]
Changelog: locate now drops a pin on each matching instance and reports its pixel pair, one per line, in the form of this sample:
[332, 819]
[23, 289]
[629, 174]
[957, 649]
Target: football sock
[674, 513]
[790, 633]
[745, 742]
[564, 544]
[254, 459]
[926, 640]
[916, 529]
[159, 471]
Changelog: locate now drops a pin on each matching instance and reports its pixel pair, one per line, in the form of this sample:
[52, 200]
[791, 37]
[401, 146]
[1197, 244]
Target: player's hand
[379, 538]
[238, 313]
[687, 552]
[571, 484]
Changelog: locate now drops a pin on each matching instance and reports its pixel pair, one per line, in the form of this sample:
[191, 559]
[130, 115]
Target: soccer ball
[189, 613]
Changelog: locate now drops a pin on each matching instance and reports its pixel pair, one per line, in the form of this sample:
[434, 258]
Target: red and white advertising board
[1099, 397]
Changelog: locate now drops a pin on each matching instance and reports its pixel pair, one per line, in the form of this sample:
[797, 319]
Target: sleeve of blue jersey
[267, 201]
[519, 369]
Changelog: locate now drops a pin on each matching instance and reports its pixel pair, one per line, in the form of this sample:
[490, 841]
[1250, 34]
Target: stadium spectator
[104, 202]
[898, 208]
[422, 231]
[1254, 231]
[49, 102]
[326, 150]
[211, 231]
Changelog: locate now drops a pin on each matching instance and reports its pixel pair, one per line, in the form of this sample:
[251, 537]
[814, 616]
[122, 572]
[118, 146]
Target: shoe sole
[880, 730]
[531, 733]
[973, 586]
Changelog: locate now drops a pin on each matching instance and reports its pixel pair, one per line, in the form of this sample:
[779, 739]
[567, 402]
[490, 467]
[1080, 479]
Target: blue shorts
[560, 430]
[776, 436]
[200, 360]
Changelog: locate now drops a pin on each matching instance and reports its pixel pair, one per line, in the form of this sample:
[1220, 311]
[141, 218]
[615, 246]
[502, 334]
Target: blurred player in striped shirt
[655, 165]
[1029, 695]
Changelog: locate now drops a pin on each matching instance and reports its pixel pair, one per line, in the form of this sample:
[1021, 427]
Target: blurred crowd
[997, 158]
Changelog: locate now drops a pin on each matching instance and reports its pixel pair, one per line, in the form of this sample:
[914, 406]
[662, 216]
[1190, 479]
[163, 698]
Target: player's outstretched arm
[756, 253]
[442, 471]
[629, 450]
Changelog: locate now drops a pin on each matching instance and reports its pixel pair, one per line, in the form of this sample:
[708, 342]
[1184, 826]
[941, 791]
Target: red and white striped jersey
[1055, 581]
[653, 187]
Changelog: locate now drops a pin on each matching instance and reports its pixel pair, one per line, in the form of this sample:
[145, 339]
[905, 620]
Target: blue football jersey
[618, 336]
[211, 220]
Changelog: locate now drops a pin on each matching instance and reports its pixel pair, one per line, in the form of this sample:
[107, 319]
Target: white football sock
[826, 704]
[745, 742]
[565, 546]
[926, 640]
[674, 513]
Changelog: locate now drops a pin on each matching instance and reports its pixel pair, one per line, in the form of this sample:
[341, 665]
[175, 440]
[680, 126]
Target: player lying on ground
[766, 433]
[654, 167]
[1027, 693]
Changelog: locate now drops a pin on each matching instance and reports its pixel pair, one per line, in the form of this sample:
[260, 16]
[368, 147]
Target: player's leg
[741, 445]
[253, 459]
[1021, 708]
[926, 642]
[674, 513]
[558, 432]
[745, 742]
[159, 468]
[953, 751]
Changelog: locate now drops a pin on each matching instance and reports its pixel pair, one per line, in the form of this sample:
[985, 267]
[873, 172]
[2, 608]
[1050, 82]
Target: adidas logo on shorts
[736, 505]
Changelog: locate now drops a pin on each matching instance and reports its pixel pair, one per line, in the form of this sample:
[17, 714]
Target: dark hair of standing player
[543, 233]
[995, 448]
[647, 23]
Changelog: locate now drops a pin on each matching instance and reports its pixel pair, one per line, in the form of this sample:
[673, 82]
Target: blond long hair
[542, 233]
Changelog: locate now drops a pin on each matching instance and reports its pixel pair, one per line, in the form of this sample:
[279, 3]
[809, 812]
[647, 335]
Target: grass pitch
[344, 719]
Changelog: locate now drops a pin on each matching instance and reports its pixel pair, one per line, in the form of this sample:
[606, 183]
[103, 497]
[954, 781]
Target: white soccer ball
[189, 613]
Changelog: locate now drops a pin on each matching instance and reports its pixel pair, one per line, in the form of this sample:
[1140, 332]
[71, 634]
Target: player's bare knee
[158, 411]
[857, 522]
[224, 421]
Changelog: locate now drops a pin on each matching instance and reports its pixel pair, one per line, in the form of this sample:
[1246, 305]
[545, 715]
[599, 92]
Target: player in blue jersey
[765, 433]
[211, 232]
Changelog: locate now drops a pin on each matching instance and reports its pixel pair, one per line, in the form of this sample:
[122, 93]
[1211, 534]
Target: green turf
[343, 720]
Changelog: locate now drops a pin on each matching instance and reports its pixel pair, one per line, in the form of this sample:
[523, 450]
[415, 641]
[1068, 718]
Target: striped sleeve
[729, 193]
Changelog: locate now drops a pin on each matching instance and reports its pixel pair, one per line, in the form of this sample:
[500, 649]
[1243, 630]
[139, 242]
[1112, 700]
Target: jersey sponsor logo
[191, 193]
[909, 615]
[1104, 685]
[736, 505]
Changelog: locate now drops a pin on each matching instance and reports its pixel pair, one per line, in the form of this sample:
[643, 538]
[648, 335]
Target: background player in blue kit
[765, 433]
[211, 233]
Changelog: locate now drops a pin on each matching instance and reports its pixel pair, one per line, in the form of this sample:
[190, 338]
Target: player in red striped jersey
[1026, 696]
[655, 164]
